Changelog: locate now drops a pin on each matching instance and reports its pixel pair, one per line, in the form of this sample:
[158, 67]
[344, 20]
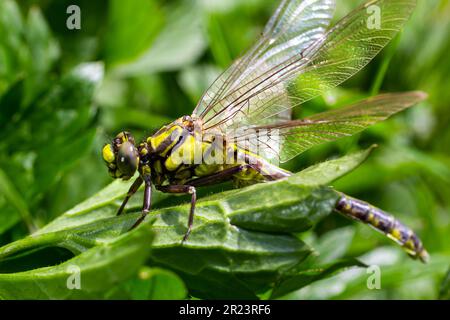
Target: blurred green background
[137, 65]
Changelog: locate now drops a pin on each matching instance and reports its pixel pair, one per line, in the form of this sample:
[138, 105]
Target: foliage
[136, 65]
[233, 247]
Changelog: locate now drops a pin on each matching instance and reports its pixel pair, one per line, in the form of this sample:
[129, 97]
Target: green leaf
[125, 117]
[11, 29]
[298, 208]
[10, 104]
[179, 43]
[132, 26]
[44, 49]
[65, 153]
[8, 217]
[328, 171]
[334, 244]
[27, 47]
[196, 79]
[445, 288]
[13, 196]
[400, 276]
[100, 268]
[152, 284]
[69, 127]
[307, 276]
[232, 247]
[326, 260]
[45, 137]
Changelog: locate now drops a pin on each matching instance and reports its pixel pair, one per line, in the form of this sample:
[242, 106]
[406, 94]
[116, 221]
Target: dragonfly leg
[183, 189]
[147, 202]
[134, 187]
[190, 188]
[218, 176]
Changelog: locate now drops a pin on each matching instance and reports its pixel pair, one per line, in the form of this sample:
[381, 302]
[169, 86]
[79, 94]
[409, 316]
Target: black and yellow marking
[168, 159]
[383, 222]
[175, 148]
[164, 141]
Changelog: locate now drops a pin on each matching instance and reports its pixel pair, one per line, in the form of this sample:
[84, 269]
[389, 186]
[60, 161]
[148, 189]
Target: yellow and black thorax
[181, 151]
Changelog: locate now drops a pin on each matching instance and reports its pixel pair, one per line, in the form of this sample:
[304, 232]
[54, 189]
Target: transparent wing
[263, 93]
[283, 141]
[295, 26]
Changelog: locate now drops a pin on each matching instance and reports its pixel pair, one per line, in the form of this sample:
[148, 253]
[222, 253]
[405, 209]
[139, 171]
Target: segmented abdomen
[364, 212]
[383, 222]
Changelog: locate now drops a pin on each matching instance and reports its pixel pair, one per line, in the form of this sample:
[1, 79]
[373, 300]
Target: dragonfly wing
[286, 140]
[266, 91]
[295, 26]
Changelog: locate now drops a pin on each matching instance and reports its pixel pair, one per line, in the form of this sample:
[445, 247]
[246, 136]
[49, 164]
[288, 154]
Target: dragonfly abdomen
[383, 222]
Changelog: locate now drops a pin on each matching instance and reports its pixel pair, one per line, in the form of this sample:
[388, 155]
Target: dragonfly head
[121, 156]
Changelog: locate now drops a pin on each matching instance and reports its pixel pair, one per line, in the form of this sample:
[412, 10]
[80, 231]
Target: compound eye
[127, 159]
[108, 153]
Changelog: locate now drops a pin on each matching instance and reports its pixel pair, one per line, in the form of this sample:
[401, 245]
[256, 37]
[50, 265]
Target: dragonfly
[241, 129]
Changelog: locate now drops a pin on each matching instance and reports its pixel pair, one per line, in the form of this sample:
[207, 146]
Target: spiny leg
[147, 202]
[134, 187]
[190, 188]
[214, 178]
[383, 222]
[218, 176]
[183, 189]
